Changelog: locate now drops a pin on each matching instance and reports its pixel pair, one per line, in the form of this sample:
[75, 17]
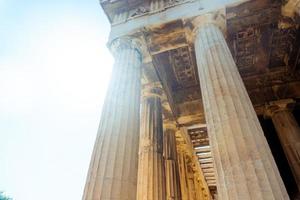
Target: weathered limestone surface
[113, 168]
[192, 181]
[183, 175]
[244, 164]
[288, 132]
[171, 166]
[191, 184]
[191, 188]
[151, 174]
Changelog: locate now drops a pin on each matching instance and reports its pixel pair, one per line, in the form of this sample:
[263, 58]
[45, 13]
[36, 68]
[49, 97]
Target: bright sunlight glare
[54, 71]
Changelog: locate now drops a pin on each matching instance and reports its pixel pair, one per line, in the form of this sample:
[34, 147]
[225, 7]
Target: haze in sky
[54, 71]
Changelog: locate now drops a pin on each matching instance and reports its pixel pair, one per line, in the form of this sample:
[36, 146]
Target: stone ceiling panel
[265, 53]
[165, 37]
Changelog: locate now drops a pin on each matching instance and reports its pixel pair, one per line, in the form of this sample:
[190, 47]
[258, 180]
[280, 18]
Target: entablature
[166, 11]
[266, 53]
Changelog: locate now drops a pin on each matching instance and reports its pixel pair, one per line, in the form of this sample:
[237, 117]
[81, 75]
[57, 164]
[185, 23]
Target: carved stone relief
[147, 7]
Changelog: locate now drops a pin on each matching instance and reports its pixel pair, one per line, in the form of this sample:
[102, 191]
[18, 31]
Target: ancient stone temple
[203, 103]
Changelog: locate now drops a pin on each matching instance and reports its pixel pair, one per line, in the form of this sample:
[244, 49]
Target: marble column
[171, 166]
[243, 161]
[288, 132]
[151, 174]
[113, 168]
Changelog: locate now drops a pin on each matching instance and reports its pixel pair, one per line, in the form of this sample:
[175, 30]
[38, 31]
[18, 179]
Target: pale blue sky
[54, 70]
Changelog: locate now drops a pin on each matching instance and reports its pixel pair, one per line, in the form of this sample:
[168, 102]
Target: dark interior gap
[279, 156]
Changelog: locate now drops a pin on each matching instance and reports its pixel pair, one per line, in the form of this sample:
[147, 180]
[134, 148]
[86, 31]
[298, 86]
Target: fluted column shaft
[288, 132]
[151, 175]
[113, 168]
[183, 175]
[171, 166]
[242, 158]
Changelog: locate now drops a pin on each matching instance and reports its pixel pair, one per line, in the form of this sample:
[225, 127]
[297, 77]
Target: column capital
[128, 42]
[216, 18]
[277, 106]
[170, 125]
[152, 90]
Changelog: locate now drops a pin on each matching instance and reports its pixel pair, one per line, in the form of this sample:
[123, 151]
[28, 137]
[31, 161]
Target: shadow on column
[279, 156]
